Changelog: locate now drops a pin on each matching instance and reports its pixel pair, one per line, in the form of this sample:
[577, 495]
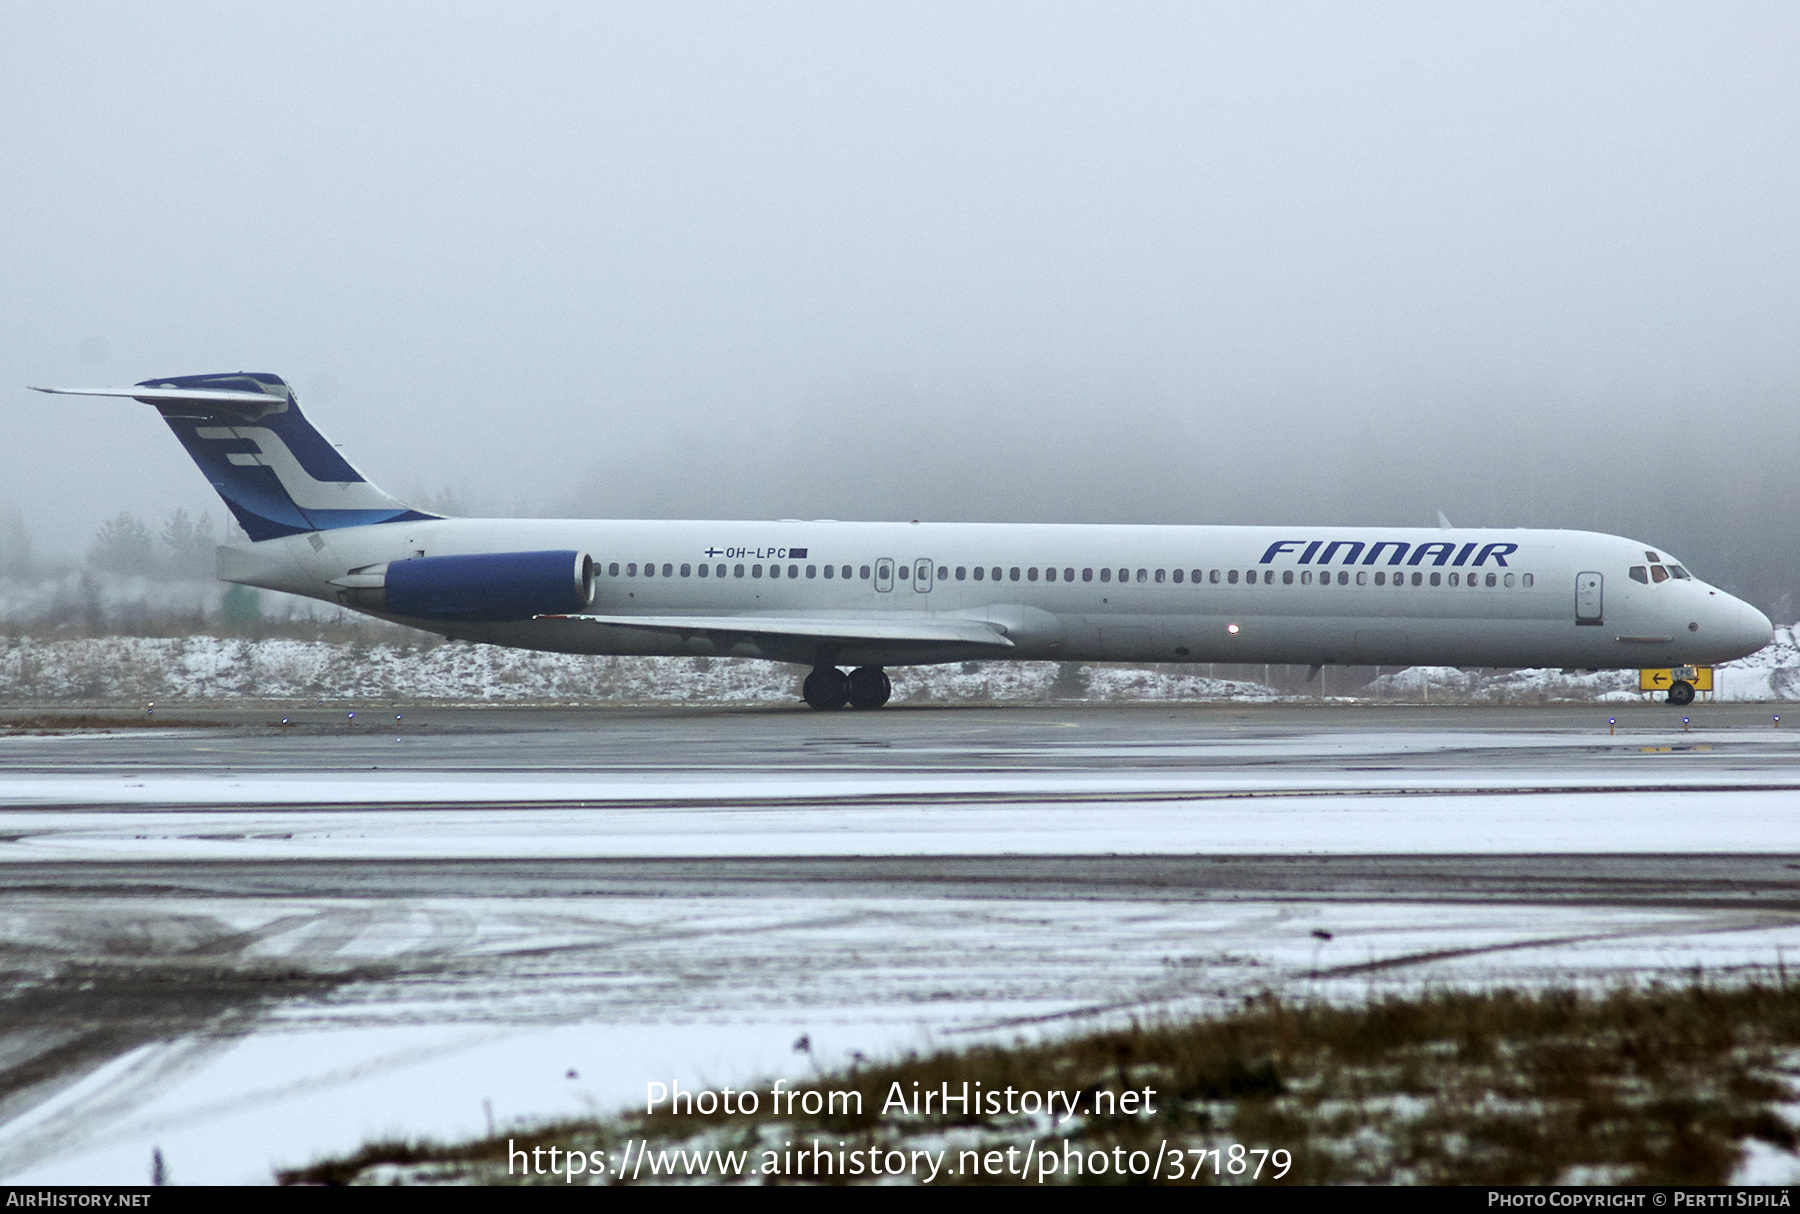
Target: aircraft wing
[931, 631]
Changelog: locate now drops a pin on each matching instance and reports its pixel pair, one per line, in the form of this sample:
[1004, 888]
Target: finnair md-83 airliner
[872, 595]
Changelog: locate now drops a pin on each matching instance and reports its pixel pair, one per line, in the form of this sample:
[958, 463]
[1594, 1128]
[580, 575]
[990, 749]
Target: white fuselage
[1084, 592]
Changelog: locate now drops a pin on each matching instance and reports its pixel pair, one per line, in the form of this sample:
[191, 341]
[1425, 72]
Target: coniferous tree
[123, 546]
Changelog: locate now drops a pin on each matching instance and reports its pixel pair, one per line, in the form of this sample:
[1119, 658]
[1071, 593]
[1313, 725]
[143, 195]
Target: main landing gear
[865, 687]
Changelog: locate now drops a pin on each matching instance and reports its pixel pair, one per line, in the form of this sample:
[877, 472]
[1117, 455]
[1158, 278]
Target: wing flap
[938, 631]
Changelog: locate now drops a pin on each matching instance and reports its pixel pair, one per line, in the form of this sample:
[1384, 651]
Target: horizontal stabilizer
[936, 631]
[278, 475]
[203, 396]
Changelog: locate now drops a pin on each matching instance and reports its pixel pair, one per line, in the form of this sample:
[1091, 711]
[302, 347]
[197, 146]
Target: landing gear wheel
[870, 687]
[826, 688]
[1681, 693]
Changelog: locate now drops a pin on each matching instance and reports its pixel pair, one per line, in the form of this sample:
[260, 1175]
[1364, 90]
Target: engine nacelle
[489, 585]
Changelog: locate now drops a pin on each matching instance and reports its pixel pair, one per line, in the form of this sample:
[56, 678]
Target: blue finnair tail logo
[276, 472]
[306, 491]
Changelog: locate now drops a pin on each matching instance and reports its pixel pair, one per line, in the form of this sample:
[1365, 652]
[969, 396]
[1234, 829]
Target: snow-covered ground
[398, 816]
[465, 1001]
[533, 1010]
[128, 669]
[1771, 673]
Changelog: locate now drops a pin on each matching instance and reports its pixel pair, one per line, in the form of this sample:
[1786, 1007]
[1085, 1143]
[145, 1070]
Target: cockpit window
[1651, 557]
[1640, 574]
[1681, 573]
[1658, 573]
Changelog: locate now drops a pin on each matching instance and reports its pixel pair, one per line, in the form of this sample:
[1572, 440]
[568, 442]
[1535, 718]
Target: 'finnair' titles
[1438, 552]
[869, 596]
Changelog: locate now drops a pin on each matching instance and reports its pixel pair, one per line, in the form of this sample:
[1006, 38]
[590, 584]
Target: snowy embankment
[139, 669]
[1771, 673]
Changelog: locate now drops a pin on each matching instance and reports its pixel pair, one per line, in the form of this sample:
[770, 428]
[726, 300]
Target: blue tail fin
[277, 474]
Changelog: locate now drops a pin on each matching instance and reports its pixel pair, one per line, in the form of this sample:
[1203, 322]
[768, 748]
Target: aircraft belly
[1297, 640]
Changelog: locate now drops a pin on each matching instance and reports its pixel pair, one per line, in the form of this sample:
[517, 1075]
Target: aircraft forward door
[884, 574]
[1589, 592]
[922, 576]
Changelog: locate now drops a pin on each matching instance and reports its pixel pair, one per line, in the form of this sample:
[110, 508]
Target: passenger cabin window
[1159, 575]
[1015, 573]
[774, 570]
[1640, 574]
[1380, 578]
[962, 572]
[980, 573]
[1213, 577]
[830, 570]
[1106, 575]
[612, 570]
[1068, 575]
[631, 569]
[704, 570]
[1087, 575]
[687, 571]
[1526, 580]
[737, 571]
[1232, 577]
[1031, 574]
[1177, 575]
[865, 573]
[812, 571]
[756, 571]
[1492, 579]
[668, 570]
[1196, 577]
[1287, 577]
[719, 572]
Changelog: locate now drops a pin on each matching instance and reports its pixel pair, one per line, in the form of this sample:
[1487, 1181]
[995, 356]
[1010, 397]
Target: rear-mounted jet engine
[487, 586]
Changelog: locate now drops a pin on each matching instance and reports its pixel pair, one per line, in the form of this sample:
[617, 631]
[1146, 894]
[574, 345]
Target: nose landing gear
[1681, 693]
[828, 687]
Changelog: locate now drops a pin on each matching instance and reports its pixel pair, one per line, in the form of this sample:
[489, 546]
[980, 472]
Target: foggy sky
[1526, 264]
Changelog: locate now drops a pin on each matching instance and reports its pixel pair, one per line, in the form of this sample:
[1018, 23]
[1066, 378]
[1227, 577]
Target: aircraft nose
[1748, 628]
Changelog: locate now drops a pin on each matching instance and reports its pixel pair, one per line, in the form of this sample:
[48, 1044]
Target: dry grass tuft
[1657, 1085]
